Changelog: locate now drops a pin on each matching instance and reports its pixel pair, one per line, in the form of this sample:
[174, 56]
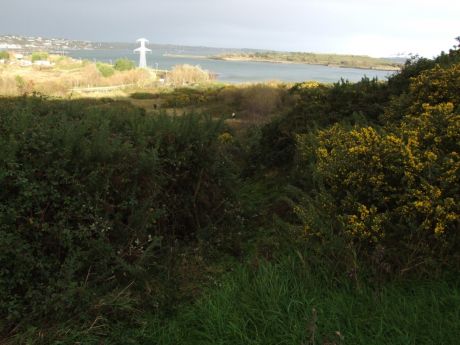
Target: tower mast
[142, 50]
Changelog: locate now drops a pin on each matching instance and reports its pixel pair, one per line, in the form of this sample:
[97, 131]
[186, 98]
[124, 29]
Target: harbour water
[234, 71]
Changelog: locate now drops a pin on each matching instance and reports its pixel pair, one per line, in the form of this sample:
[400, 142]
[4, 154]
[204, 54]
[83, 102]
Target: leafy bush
[88, 192]
[4, 55]
[124, 65]
[105, 69]
[36, 56]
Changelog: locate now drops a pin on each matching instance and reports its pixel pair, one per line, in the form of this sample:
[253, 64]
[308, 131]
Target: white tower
[142, 50]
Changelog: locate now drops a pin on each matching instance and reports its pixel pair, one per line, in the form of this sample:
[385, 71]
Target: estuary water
[234, 71]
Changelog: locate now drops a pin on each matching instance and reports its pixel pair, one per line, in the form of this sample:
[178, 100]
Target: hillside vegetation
[62, 76]
[330, 217]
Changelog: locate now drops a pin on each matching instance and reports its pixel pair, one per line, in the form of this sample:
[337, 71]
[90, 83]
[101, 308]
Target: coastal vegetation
[257, 214]
[62, 76]
[338, 60]
[187, 75]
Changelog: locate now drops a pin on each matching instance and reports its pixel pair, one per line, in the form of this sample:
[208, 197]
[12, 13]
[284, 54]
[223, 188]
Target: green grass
[287, 303]
[290, 303]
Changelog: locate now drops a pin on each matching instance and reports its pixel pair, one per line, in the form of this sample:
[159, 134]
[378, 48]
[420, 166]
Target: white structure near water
[142, 50]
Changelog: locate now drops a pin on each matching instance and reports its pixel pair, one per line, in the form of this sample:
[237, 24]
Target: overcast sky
[372, 27]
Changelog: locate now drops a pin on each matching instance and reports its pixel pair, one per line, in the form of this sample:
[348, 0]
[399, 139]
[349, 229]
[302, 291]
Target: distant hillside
[61, 46]
[31, 43]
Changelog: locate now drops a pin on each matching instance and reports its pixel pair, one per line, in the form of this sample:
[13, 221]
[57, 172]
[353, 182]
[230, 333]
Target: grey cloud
[315, 25]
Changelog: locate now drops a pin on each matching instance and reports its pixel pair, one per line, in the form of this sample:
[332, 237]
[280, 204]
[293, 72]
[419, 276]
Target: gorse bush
[377, 102]
[393, 192]
[399, 82]
[89, 191]
[318, 105]
[183, 97]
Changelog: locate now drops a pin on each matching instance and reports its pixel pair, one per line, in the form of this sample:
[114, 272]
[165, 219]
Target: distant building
[9, 46]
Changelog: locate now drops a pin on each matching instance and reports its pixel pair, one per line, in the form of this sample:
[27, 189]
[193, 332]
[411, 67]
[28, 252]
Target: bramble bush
[90, 191]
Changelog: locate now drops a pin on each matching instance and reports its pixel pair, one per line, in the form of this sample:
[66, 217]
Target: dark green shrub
[88, 191]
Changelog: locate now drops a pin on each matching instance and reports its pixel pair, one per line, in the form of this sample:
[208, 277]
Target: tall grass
[287, 303]
[186, 74]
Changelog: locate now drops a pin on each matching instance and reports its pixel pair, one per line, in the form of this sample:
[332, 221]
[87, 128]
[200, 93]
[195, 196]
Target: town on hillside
[53, 45]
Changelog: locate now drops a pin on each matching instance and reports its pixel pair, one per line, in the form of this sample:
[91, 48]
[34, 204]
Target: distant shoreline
[247, 59]
[275, 61]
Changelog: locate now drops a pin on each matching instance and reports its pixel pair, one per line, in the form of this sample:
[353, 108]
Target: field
[213, 214]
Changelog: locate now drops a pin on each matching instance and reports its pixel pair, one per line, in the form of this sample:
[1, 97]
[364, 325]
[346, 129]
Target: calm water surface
[236, 71]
